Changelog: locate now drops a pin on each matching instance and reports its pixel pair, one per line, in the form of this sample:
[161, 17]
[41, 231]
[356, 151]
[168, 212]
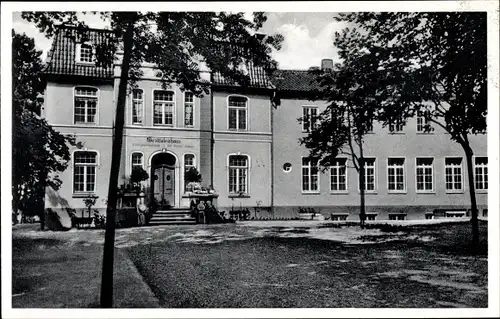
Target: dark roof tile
[294, 80]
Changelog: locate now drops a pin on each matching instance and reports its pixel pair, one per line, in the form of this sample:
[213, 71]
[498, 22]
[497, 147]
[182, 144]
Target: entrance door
[163, 189]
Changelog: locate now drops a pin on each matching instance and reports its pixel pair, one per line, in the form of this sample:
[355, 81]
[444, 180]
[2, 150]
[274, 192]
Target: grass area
[49, 273]
[302, 272]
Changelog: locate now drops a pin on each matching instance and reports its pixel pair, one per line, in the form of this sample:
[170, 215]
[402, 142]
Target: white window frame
[480, 190]
[396, 127]
[420, 191]
[85, 165]
[193, 104]
[174, 107]
[248, 168]
[306, 112]
[337, 167]
[132, 100]
[246, 108]
[452, 166]
[395, 167]
[375, 176]
[309, 177]
[78, 51]
[423, 122]
[184, 166]
[132, 160]
[96, 97]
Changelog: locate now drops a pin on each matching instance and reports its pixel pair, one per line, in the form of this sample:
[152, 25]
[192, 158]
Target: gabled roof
[294, 80]
[62, 55]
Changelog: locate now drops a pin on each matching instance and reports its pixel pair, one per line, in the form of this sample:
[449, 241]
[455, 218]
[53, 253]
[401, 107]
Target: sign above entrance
[153, 141]
[167, 140]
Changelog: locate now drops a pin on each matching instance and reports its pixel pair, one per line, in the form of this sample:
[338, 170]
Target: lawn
[255, 265]
[279, 271]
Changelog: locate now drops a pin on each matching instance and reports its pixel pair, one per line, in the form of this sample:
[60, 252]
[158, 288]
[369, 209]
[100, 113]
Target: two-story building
[242, 145]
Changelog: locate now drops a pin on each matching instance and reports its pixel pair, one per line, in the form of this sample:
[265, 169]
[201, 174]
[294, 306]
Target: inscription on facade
[162, 141]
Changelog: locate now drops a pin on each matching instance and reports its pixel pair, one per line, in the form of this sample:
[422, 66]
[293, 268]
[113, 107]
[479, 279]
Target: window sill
[137, 124]
[455, 191]
[165, 125]
[426, 192]
[481, 191]
[84, 195]
[369, 192]
[424, 133]
[238, 196]
[397, 192]
[397, 133]
[85, 123]
[311, 193]
[339, 192]
[237, 130]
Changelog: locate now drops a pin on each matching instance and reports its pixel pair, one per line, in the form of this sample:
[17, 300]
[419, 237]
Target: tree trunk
[109, 237]
[472, 191]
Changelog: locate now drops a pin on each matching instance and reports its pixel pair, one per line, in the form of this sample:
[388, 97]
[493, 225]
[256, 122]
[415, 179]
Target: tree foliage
[192, 175]
[437, 61]
[138, 175]
[38, 150]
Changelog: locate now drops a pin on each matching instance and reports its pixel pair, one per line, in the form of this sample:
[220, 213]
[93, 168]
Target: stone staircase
[173, 216]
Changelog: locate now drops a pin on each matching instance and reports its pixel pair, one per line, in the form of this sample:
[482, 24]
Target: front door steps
[172, 216]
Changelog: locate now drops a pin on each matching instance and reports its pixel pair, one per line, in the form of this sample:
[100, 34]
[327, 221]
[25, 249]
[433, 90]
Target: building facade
[242, 145]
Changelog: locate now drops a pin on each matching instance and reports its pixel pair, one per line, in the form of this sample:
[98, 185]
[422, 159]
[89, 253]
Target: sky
[308, 36]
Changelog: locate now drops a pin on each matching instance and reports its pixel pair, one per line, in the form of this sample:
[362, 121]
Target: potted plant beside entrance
[192, 179]
[137, 177]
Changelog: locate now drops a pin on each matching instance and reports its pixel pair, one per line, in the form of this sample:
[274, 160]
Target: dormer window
[84, 53]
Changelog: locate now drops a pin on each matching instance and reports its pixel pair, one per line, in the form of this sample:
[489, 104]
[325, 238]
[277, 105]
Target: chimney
[326, 64]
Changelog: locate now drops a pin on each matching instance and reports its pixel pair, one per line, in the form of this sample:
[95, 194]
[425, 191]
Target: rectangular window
[309, 118]
[86, 53]
[397, 216]
[453, 174]
[396, 126]
[422, 122]
[237, 112]
[137, 106]
[310, 175]
[370, 175]
[163, 104]
[137, 160]
[238, 174]
[481, 172]
[85, 107]
[338, 175]
[396, 175]
[188, 109]
[425, 174]
[188, 164]
[84, 171]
